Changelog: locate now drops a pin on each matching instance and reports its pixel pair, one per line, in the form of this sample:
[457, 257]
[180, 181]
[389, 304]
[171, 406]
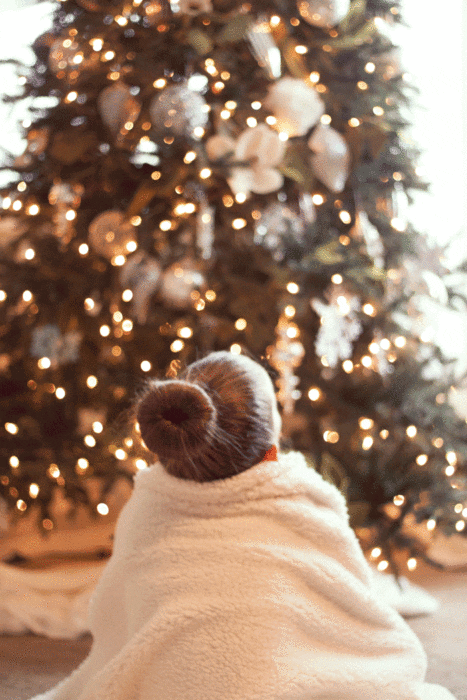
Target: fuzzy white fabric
[248, 588]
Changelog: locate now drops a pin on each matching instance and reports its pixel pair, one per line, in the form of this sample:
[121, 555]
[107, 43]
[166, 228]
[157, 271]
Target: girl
[235, 574]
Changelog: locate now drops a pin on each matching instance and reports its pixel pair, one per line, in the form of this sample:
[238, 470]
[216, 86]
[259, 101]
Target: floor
[30, 665]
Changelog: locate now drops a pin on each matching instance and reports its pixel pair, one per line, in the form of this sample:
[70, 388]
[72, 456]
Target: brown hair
[214, 421]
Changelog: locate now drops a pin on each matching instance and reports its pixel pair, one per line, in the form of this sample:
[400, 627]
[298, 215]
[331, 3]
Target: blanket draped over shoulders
[248, 588]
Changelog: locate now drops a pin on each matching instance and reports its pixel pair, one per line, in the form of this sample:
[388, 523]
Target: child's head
[217, 419]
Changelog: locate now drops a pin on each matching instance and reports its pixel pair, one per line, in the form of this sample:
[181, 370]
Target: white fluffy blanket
[250, 588]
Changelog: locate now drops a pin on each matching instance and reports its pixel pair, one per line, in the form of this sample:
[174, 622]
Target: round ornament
[117, 106]
[323, 13]
[62, 55]
[179, 109]
[11, 228]
[180, 282]
[110, 233]
[279, 227]
[194, 7]
[296, 106]
[142, 275]
[157, 11]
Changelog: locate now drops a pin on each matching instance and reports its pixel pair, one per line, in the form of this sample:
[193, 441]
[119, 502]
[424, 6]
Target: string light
[102, 509]
[185, 332]
[44, 363]
[34, 490]
[314, 394]
[104, 331]
[293, 288]
[411, 431]
[367, 442]
[82, 464]
[91, 381]
[83, 249]
[354, 122]
[318, 199]
[376, 552]
[383, 565]
[14, 462]
[236, 349]
[251, 121]
[422, 460]
[366, 423]
[177, 345]
[141, 464]
[238, 224]
[146, 366]
[411, 564]
[127, 295]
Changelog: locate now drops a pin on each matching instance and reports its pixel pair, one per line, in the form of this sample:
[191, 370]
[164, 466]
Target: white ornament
[179, 109]
[277, 224]
[262, 148]
[364, 230]
[340, 326]
[323, 13]
[296, 106]
[110, 233]
[142, 274]
[179, 282]
[264, 48]
[117, 106]
[331, 157]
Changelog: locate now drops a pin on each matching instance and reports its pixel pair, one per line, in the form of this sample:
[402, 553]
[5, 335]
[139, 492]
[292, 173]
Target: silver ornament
[62, 54]
[117, 106]
[179, 109]
[277, 224]
[142, 275]
[181, 283]
[264, 48]
[110, 233]
[323, 13]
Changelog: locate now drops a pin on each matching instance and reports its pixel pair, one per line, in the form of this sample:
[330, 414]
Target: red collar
[271, 455]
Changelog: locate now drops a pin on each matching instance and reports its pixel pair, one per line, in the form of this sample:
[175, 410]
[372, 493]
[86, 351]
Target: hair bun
[175, 415]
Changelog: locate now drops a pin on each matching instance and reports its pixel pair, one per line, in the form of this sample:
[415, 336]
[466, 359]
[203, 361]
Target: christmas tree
[202, 175]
